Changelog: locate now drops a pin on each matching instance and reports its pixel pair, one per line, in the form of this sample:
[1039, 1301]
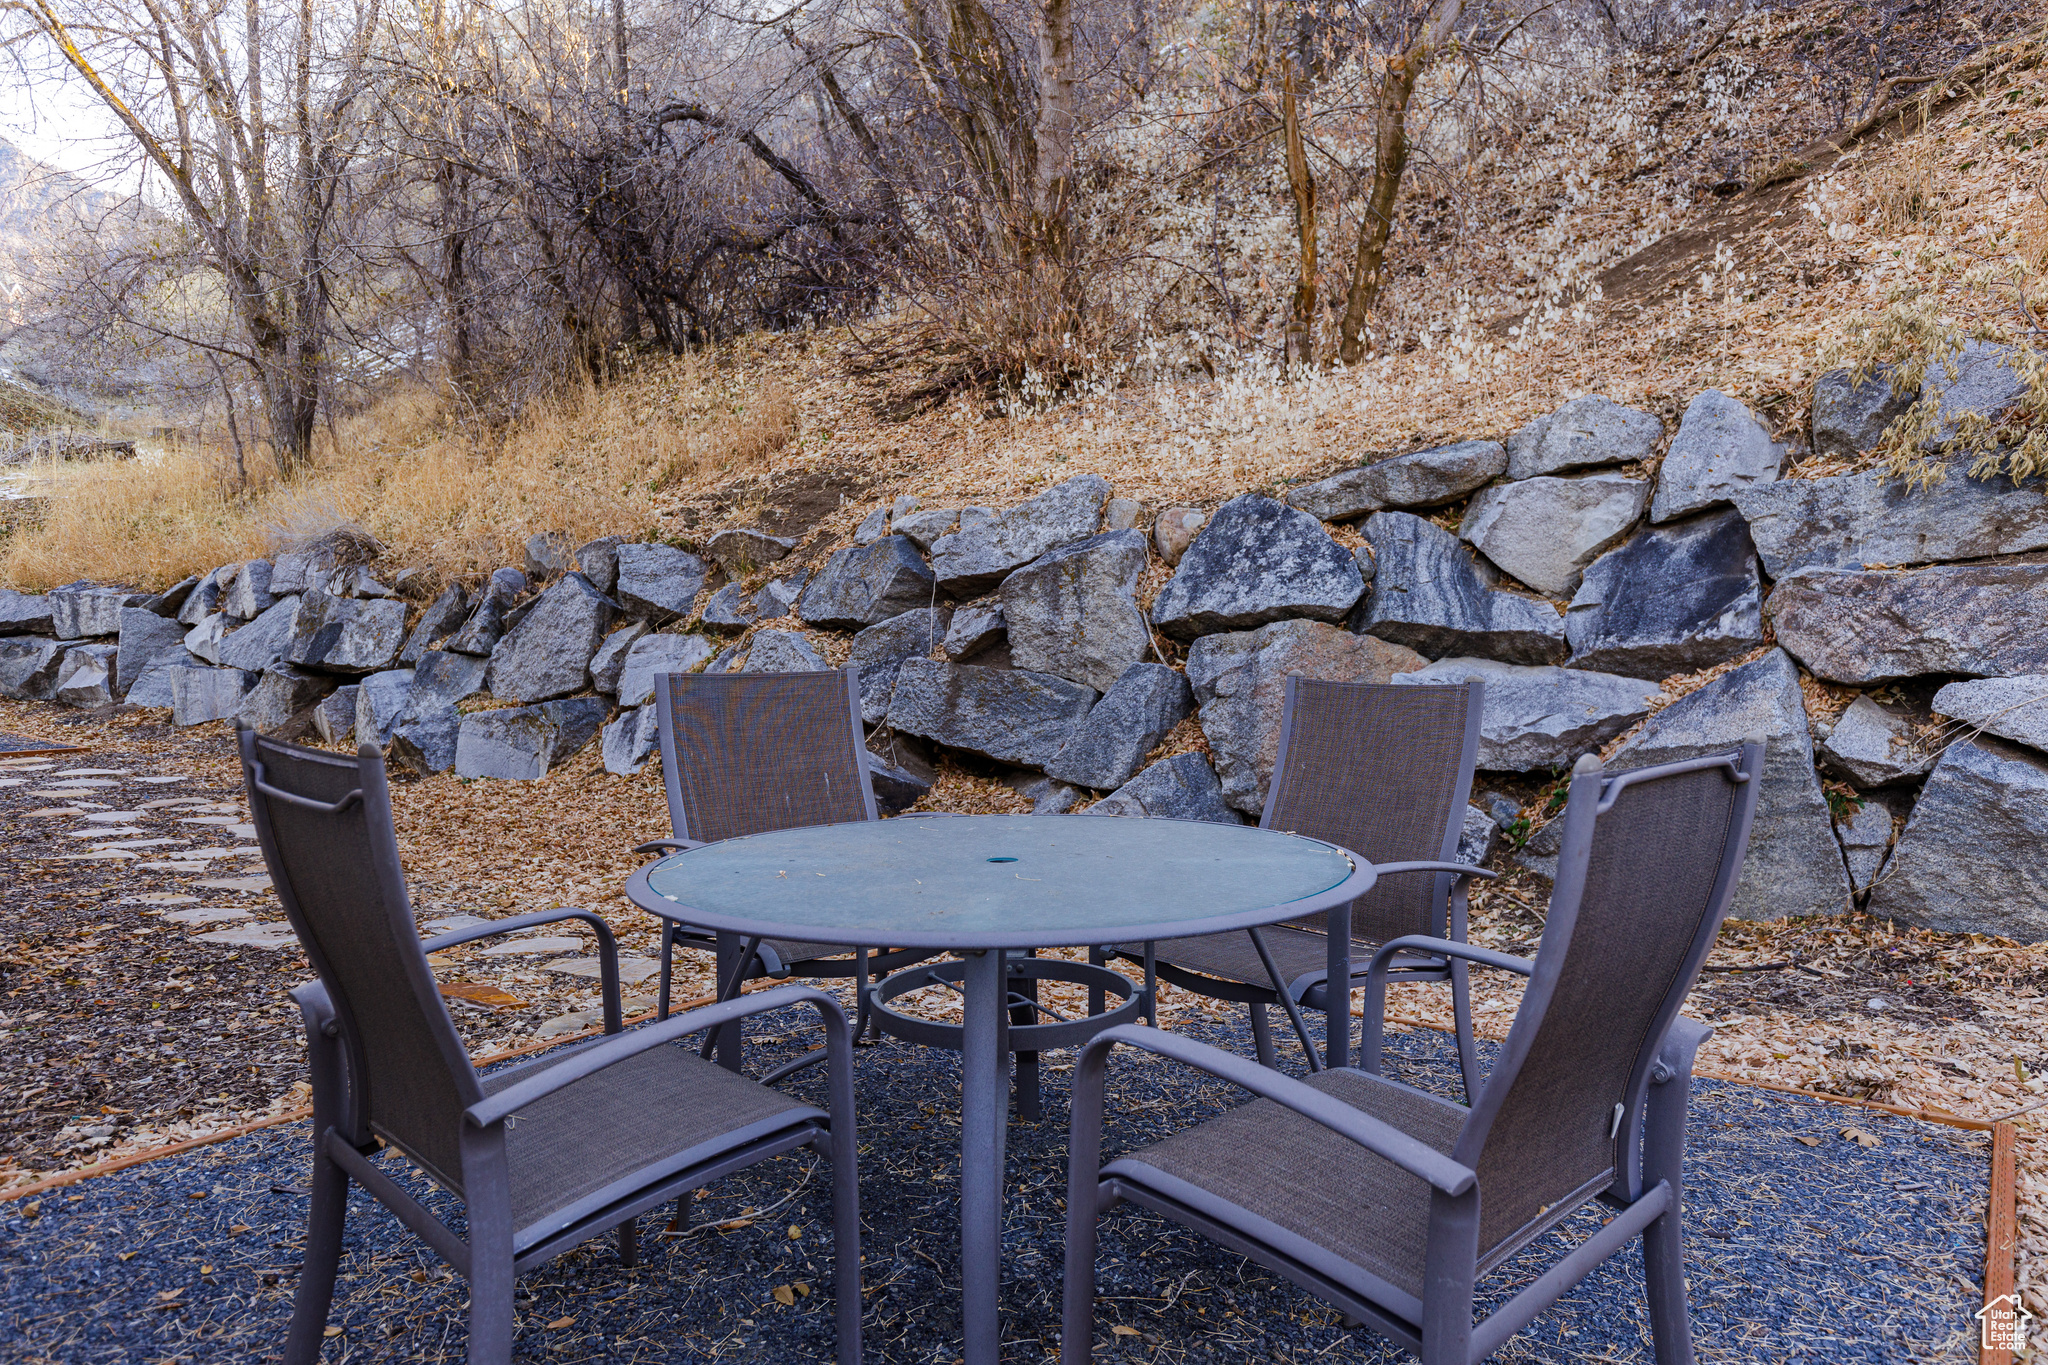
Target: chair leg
[1077, 1309]
[1461, 1019]
[1664, 1281]
[490, 1304]
[668, 943]
[1262, 1036]
[680, 1222]
[325, 1216]
[629, 1243]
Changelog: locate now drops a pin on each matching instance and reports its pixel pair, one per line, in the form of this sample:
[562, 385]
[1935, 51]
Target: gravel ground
[1837, 1251]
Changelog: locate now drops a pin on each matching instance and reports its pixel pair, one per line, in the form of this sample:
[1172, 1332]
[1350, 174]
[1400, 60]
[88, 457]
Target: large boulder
[1010, 715]
[1973, 859]
[486, 625]
[153, 686]
[2011, 708]
[1424, 478]
[1138, 711]
[1256, 561]
[650, 656]
[1866, 627]
[248, 596]
[82, 612]
[1849, 418]
[741, 550]
[146, 639]
[630, 740]
[380, 699]
[521, 743]
[1540, 718]
[199, 695]
[879, 651]
[976, 627]
[334, 716]
[204, 599]
[782, 651]
[1982, 379]
[441, 619]
[1582, 434]
[1672, 600]
[729, 609]
[598, 561]
[264, 640]
[1428, 594]
[1794, 865]
[1851, 520]
[1545, 531]
[658, 582]
[864, 585]
[1720, 450]
[1073, 612]
[28, 667]
[975, 559]
[280, 695]
[924, 528]
[1240, 684]
[346, 634]
[548, 653]
[24, 613]
[205, 639]
[425, 737]
[1866, 836]
[1872, 747]
[171, 600]
[85, 677]
[1183, 787]
[443, 677]
[610, 660]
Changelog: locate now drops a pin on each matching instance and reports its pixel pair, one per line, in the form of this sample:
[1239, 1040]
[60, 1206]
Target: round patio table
[982, 884]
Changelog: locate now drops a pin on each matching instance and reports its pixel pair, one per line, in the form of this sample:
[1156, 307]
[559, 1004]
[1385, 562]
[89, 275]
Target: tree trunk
[1301, 341]
[1054, 135]
[1390, 159]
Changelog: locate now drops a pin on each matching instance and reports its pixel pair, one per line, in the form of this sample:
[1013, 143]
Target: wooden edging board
[41, 751]
[2001, 1238]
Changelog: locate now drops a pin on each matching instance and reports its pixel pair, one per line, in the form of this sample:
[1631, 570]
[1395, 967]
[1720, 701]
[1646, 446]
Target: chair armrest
[657, 845]
[607, 948]
[1383, 1139]
[1681, 1045]
[1375, 1007]
[507, 1102]
[1462, 869]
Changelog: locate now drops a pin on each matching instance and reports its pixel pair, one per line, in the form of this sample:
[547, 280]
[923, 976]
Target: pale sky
[61, 123]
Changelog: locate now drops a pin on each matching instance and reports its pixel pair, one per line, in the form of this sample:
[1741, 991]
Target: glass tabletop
[1012, 881]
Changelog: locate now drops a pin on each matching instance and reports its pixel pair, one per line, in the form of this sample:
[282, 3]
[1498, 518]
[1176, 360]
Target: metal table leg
[984, 1113]
[730, 1039]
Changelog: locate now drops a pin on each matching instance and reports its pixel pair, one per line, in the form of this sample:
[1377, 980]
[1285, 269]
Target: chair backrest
[1648, 865]
[743, 753]
[1386, 772]
[325, 825]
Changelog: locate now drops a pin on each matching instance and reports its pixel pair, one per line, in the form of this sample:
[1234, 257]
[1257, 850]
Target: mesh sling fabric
[764, 751]
[1374, 767]
[326, 868]
[1655, 856]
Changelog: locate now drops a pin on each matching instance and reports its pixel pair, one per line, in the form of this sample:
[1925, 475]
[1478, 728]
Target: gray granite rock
[146, 638]
[782, 651]
[864, 585]
[730, 609]
[1256, 561]
[598, 561]
[779, 598]
[610, 660]
[548, 553]
[380, 699]
[1866, 836]
[872, 528]
[975, 627]
[1183, 787]
[1539, 852]
[153, 686]
[204, 599]
[1428, 594]
[280, 695]
[741, 550]
[515, 744]
[1866, 627]
[1047, 796]
[1673, 599]
[199, 695]
[2011, 708]
[1872, 747]
[1240, 684]
[1794, 866]
[298, 572]
[249, 596]
[978, 518]
[548, 653]
[1848, 419]
[334, 716]
[1539, 718]
[1138, 711]
[1478, 837]
[1122, 514]
[1973, 858]
[167, 603]
[24, 613]
[972, 561]
[1545, 531]
[1423, 478]
[1174, 529]
[85, 676]
[486, 624]
[658, 581]
[896, 789]
[1982, 379]
[630, 740]
[924, 528]
[879, 651]
[442, 678]
[204, 640]
[28, 667]
[84, 612]
[441, 619]
[652, 655]
[346, 634]
[424, 739]
[1583, 433]
[355, 581]
[577, 721]
[1010, 715]
[1073, 612]
[264, 640]
[1720, 450]
[1851, 520]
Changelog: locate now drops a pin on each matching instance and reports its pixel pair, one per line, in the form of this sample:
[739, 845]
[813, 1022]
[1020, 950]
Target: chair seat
[1310, 1182]
[1231, 957]
[624, 1123]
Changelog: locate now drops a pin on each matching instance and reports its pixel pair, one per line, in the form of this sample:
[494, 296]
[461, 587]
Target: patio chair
[543, 1155]
[746, 753]
[1390, 1202]
[1386, 772]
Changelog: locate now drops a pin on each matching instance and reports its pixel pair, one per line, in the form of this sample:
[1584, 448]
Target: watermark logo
[2005, 1324]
